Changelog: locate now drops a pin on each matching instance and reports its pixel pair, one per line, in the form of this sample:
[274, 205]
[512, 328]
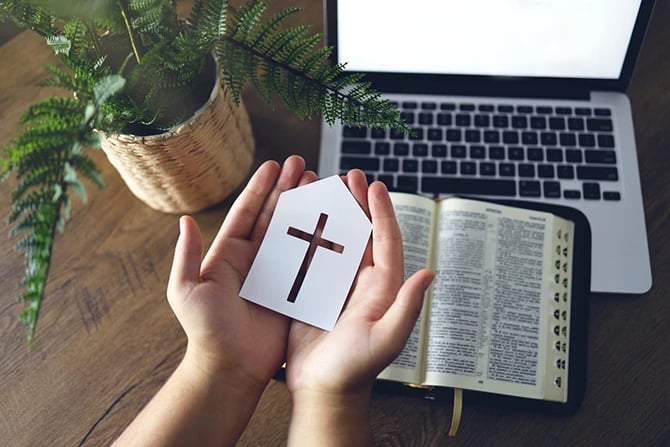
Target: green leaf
[60, 44]
[107, 87]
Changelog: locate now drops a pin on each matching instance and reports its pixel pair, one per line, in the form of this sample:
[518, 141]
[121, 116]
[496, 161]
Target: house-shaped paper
[310, 254]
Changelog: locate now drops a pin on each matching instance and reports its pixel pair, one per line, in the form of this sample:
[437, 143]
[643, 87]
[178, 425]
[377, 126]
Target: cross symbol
[315, 240]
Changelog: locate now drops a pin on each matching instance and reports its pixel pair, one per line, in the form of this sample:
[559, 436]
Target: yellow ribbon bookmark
[458, 409]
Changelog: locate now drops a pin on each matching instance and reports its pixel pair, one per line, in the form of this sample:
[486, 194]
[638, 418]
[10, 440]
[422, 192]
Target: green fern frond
[289, 63]
[47, 159]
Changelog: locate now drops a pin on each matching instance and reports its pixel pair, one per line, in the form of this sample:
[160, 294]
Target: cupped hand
[228, 335]
[378, 317]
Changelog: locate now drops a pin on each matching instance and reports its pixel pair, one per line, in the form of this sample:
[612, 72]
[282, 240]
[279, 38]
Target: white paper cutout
[322, 218]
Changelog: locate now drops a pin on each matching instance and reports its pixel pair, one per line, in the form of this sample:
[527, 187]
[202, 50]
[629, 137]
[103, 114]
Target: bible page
[488, 326]
[415, 216]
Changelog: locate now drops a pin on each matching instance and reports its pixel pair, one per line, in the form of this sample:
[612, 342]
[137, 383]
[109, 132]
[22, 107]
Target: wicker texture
[193, 166]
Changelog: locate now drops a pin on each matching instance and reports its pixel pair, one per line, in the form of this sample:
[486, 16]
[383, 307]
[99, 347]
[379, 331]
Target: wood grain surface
[107, 339]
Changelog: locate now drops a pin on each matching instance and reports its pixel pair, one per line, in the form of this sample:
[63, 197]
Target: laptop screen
[537, 39]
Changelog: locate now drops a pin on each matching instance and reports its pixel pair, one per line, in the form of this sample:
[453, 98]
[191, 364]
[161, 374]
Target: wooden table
[107, 339]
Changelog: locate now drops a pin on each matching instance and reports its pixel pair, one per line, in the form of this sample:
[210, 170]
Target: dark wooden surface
[107, 339]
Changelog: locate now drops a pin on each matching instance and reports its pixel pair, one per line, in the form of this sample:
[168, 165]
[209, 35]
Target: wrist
[330, 419]
[226, 376]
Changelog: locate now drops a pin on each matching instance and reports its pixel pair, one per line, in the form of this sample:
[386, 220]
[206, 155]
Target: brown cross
[315, 240]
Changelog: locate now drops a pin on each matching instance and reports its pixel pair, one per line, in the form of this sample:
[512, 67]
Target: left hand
[227, 335]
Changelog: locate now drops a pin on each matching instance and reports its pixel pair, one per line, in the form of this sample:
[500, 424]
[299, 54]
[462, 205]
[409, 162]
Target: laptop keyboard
[491, 149]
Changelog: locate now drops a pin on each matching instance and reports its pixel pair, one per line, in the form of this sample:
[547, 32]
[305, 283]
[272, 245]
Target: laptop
[509, 99]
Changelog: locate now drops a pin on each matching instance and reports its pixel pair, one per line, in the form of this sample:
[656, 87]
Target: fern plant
[130, 66]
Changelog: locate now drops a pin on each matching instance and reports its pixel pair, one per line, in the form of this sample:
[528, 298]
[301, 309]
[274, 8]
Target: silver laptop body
[547, 112]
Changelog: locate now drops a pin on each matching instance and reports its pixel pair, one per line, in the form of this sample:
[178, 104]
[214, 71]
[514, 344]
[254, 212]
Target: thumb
[395, 327]
[185, 271]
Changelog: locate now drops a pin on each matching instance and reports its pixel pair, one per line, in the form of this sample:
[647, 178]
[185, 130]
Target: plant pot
[192, 166]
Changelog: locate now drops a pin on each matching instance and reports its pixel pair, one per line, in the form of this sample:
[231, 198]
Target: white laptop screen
[517, 38]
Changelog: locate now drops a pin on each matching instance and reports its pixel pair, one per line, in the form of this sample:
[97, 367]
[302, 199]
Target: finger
[291, 172]
[391, 332]
[245, 210]
[308, 177]
[358, 185]
[185, 270]
[386, 238]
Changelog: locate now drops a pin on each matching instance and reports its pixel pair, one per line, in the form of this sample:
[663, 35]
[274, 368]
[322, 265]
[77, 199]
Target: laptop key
[510, 137]
[458, 151]
[382, 148]
[491, 136]
[552, 189]
[444, 119]
[496, 153]
[354, 132]
[487, 168]
[507, 169]
[602, 112]
[426, 118]
[575, 124]
[435, 134]
[468, 168]
[612, 195]
[597, 173]
[407, 183]
[493, 187]
[534, 154]
[439, 150]
[363, 163]
[449, 167]
[555, 155]
[473, 136]
[377, 133]
[538, 122]
[519, 122]
[573, 155]
[388, 180]
[587, 140]
[591, 191]
[529, 188]
[515, 153]
[356, 147]
[417, 133]
[545, 171]
[566, 172]
[454, 135]
[409, 165]
[605, 140]
[526, 170]
[572, 194]
[420, 150]
[600, 156]
[391, 165]
[429, 166]
[567, 139]
[529, 138]
[599, 124]
[557, 123]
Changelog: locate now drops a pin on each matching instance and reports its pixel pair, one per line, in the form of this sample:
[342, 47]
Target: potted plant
[139, 76]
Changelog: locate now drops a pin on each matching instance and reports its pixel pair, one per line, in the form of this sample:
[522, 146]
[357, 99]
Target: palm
[377, 318]
[348, 348]
[225, 328]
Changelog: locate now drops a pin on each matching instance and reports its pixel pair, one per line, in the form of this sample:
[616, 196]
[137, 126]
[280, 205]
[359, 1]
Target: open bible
[508, 309]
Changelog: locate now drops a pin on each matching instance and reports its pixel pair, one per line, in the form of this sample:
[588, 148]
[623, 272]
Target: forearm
[330, 420]
[194, 408]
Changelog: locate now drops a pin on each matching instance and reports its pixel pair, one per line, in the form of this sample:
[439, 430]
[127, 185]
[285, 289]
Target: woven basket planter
[193, 166]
